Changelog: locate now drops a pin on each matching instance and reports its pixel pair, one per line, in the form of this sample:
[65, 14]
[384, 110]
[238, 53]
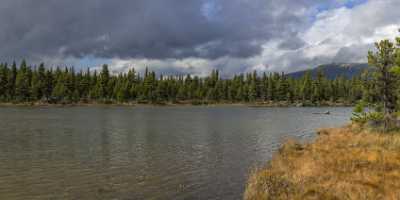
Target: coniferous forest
[23, 84]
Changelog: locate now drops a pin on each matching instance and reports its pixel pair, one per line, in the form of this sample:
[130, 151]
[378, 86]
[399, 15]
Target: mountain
[334, 70]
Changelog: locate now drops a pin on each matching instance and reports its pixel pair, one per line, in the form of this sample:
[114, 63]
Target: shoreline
[182, 103]
[350, 162]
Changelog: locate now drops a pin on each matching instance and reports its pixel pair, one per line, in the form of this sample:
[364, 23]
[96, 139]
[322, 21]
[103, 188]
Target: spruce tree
[104, 79]
[22, 83]
[12, 77]
[383, 60]
[3, 81]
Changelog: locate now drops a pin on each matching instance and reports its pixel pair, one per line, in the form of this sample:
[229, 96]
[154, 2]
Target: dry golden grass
[342, 163]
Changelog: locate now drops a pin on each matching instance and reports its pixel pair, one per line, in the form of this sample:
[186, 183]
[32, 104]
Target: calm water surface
[144, 152]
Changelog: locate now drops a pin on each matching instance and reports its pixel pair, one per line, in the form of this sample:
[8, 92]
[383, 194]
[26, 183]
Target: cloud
[175, 36]
[172, 66]
[157, 29]
[342, 34]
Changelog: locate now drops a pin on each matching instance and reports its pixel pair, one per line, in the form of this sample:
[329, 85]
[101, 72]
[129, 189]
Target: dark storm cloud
[155, 29]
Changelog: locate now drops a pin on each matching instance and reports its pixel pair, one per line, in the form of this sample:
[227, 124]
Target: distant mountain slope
[334, 70]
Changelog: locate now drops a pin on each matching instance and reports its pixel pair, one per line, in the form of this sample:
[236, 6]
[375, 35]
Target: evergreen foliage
[380, 88]
[384, 82]
[31, 84]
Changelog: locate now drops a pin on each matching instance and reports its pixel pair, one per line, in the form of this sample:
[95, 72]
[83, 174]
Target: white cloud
[337, 35]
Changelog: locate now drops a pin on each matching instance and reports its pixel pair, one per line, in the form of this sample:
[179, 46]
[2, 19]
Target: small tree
[383, 60]
[359, 114]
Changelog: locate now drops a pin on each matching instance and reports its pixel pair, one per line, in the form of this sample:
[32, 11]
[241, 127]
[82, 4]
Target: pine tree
[59, 91]
[383, 60]
[22, 83]
[12, 77]
[283, 88]
[252, 90]
[35, 89]
[104, 79]
[48, 84]
[3, 81]
[306, 87]
[318, 87]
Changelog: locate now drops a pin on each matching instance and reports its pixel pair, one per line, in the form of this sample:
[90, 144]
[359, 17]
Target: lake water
[144, 152]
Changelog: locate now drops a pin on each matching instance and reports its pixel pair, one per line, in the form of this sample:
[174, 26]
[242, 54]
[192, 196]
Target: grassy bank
[342, 163]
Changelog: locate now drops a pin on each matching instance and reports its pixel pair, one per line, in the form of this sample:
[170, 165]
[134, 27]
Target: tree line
[25, 83]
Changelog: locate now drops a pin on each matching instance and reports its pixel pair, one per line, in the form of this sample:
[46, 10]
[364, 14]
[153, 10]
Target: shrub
[359, 114]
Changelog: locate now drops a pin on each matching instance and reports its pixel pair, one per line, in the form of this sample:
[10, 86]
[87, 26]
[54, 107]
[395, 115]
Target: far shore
[180, 103]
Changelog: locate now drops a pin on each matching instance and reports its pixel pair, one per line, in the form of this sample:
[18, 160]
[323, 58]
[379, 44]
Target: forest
[24, 83]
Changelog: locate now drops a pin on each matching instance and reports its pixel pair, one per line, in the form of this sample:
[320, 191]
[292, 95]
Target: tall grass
[342, 163]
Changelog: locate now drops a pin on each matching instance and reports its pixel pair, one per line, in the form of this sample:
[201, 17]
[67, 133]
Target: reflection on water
[144, 152]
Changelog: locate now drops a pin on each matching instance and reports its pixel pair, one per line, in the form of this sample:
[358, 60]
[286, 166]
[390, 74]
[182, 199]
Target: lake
[144, 152]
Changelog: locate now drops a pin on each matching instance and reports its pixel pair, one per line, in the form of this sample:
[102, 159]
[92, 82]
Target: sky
[194, 36]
